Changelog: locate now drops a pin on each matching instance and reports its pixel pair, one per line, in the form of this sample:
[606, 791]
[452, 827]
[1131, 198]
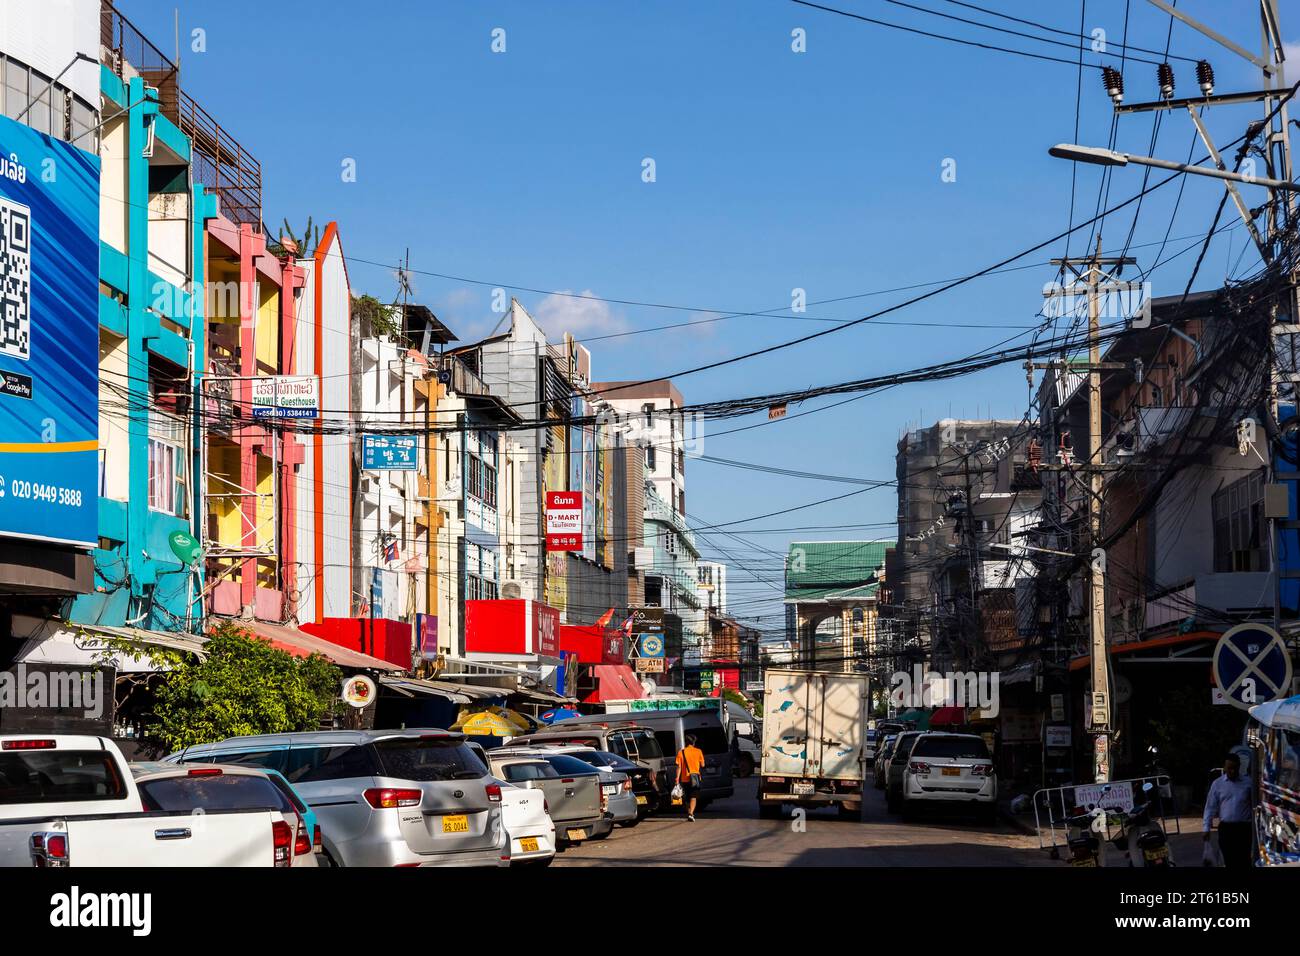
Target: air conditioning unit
[512, 589]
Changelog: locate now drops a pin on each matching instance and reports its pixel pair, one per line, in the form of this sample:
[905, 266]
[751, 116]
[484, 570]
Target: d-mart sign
[564, 521]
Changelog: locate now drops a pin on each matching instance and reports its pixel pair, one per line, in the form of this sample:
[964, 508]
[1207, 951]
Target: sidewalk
[1184, 832]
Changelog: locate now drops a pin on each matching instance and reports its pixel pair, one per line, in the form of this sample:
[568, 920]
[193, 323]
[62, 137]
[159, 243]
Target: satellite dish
[185, 546]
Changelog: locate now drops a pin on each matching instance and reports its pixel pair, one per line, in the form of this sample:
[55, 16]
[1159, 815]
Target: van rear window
[420, 760]
[59, 776]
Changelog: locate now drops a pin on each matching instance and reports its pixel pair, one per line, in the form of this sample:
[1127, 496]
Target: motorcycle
[1083, 829]
[1141, 836]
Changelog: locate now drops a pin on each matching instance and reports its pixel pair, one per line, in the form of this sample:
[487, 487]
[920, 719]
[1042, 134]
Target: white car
[528, 825]
[530, 831]
[950, 769]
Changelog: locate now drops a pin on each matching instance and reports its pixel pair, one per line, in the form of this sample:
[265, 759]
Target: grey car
[620, 801]
[383, 797]
[897, 765]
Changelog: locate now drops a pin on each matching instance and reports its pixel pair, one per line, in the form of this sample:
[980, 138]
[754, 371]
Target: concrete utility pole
[1091, 272]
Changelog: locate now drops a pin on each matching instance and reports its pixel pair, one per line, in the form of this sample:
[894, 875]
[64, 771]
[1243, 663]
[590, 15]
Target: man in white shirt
[1229, 800]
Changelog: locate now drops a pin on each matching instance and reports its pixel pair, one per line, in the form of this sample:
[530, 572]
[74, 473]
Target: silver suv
[383, 797]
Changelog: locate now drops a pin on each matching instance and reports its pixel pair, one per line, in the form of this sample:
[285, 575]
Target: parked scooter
[1141, 836]
[1083, 835]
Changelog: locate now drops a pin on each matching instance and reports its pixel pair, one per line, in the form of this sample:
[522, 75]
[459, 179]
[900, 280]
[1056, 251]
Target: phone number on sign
[34, 490]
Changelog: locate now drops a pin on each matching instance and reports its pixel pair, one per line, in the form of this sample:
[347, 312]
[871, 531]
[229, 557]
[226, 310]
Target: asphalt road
[730, 833]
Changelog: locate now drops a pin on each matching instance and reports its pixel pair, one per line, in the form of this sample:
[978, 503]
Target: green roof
[832, 567]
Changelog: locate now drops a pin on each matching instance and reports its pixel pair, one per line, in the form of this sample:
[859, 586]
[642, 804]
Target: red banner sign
[564, 521]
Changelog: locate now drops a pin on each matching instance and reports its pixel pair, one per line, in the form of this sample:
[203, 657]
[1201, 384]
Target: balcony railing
[218, 160]
[464, 381]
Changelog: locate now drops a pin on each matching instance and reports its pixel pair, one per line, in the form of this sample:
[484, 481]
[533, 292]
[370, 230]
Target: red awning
[616, 682]
[948, 717]
[301, 644]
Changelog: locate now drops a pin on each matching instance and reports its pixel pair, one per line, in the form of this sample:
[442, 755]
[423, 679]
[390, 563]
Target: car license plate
[952, 771]
[641, 801]
[803, 788]
[576, 834]
[1159, 853]
[458, 823]
[528, 844]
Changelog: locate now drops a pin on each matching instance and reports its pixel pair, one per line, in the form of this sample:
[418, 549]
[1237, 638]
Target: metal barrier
[1058, 804]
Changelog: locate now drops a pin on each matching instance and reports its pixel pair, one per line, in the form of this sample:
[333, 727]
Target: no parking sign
[1252, 666]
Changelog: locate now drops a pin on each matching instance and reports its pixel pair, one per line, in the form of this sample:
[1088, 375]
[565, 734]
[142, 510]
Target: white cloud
[1291, 67]
[569, 312]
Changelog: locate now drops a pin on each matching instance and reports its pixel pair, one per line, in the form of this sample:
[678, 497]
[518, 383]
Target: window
[223, 792]
[648, 410]
[649, 458]
[310, 764]
[168, 488]
[519, 772]
[58, 776]
[479, 589]
[271, 759]
[422, 760]
[1288, 759]
[954, 747]
[1238, 512]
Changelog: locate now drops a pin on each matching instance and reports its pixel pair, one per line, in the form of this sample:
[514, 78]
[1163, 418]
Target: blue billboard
[49, 338]
[389, 453]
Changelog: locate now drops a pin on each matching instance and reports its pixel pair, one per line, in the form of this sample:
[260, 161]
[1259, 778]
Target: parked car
[629, 741]
[950, 768]
[575, 801]
[670, 728]
[418, 797]
[896, 765]
[882, 760]
[310, 821]
[68, 799]
[616, 782]
[525, 814]
[215, 788]
[869, 749]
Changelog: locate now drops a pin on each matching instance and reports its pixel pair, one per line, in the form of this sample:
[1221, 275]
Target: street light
[1100, 156]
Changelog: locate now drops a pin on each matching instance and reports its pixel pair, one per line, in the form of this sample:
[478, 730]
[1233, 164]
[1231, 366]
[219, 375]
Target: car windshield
[220, 791]
[961, 748]
[569, 766]
[426, 759]
[539, 770]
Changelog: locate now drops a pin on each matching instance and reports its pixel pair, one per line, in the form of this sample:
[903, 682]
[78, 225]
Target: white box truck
[814, 741]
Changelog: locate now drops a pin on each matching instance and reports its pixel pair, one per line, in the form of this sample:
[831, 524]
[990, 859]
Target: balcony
[464, 381]
[218, 161]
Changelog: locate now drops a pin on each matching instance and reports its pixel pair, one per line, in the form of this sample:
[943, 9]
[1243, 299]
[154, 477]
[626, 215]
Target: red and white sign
[511, 630]
[564, 521]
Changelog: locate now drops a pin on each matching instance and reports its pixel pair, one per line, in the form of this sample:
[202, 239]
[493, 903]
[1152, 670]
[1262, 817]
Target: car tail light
[982, 770]
[627, 784]
[281, 841]
[771, 779]
[206, 772]
[316, 844]
[386, 798]
[49, 850]
[302, 844]
[917, 766]
[493, 792]
[28, 745]
[604, 800]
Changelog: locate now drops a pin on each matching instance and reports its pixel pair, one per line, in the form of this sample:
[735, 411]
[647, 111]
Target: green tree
[243, 686]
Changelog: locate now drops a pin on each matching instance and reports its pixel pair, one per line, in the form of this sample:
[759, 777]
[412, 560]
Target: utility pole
[1090, 271]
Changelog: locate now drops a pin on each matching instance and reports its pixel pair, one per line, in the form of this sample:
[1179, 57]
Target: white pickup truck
[68, 800]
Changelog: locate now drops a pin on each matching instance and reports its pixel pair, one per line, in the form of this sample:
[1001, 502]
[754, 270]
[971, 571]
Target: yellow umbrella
[486, 724]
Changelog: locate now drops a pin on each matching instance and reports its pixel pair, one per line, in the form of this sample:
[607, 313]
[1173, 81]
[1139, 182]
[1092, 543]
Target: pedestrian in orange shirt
[690, 764]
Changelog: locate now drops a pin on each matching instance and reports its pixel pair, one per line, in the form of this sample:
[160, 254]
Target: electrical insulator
[1165, 77]
[1113, 80]
[1205, 76]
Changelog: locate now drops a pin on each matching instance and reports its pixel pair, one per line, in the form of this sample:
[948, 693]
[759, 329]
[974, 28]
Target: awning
[948, 717]
[56, 642]
[301, 644]
[616, 682]
[1155, 643]
[545, 698]
[456, 693]
[920, 719]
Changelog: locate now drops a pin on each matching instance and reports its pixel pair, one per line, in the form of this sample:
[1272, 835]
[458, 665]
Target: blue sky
[775, 170]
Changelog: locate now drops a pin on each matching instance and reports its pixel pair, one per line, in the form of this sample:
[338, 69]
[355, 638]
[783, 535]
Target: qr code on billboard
[15, 279]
